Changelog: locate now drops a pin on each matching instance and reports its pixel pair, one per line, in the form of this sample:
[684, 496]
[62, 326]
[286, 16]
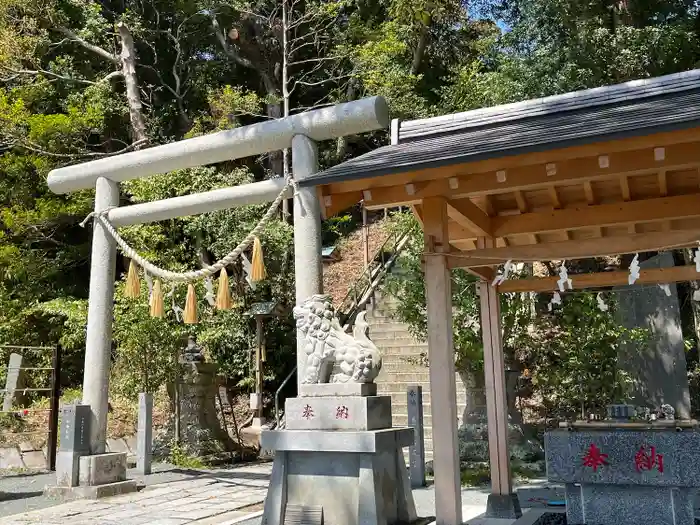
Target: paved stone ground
[177, 497]
[213, 497]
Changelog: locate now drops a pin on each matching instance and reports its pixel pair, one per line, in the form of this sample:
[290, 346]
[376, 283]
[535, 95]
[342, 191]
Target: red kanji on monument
[308, 412]
[594, 458]
[342, 412]
[644, 460]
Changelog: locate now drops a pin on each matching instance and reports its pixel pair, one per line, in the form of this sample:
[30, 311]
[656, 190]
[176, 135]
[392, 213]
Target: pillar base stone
[503, 506]
[91, 492]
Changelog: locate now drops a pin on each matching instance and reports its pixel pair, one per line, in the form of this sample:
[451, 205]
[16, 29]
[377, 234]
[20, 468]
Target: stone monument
[201, 430]
[627, 472]
[339, 460]
[659, 370]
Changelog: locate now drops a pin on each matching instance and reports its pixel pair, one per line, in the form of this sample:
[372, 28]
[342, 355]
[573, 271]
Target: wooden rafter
[602, 279]
[631, 154]
[527, 177]
[470, 216]
[649, 210]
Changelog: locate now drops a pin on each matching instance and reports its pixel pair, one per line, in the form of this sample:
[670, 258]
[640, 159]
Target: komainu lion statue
[327, 344]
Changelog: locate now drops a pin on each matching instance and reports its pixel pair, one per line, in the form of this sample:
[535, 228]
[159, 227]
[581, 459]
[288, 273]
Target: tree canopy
[82, 79]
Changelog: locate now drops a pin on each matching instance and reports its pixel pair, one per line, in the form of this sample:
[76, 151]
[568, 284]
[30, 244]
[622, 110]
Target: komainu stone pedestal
[338, 462]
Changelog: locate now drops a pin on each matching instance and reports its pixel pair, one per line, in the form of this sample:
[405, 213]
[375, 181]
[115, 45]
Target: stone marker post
[75, 442]
[416, 452]
[14, 381]
[144, 438]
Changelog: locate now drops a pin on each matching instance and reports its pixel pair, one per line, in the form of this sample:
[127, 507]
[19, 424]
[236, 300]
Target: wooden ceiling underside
[623, 196]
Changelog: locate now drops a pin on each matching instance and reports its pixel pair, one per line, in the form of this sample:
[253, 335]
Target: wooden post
[258, 366]
[443, 390]
[365, 237]
[502, 502]
[52, 442]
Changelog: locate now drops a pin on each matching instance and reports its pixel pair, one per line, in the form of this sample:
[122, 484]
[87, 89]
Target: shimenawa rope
[208, 271]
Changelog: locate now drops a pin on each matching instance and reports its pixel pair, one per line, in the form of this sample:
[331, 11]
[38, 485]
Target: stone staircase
[398, 347]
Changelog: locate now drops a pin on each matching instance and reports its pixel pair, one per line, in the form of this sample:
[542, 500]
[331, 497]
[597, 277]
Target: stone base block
[102, 469]
[361, 485]
[503, 506]
[67, 468]
[338, 390]
[371, 441]
[629, 504]
[93, 492]
[338, 413]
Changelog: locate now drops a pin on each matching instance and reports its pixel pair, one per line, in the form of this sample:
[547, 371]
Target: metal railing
[52, 391]
[277, 397]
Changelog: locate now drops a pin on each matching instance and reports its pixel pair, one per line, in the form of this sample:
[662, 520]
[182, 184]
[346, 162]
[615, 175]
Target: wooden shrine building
[600, 172]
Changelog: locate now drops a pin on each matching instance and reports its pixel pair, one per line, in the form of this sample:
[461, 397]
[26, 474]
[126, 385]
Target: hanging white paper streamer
[634, 270]
[247, 269]
[176, 309]
[556, 299]
[666, 288]
[564, 278]
[696, 295]
[210, 297]
[697, 258]
[503, 276]
[601, 304]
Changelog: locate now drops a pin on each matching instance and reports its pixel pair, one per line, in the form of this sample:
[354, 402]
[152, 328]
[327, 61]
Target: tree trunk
[419, 52]
[474, 385]
[133, 94]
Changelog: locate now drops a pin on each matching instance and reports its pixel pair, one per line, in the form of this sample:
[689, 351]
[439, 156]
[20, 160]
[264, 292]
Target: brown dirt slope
[339, 276]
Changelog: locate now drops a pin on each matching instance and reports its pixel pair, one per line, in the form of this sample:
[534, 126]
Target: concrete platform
[91, 492]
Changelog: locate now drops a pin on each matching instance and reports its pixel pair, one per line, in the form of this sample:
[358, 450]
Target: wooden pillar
[502, 503]
[443, 390]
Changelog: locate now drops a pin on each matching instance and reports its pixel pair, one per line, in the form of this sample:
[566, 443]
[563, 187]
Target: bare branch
[57, 76]
[30, 146]
[227, 49]
[90, 47]
[322, 59]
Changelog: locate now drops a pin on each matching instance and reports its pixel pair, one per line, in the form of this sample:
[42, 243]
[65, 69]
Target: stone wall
[28, 456]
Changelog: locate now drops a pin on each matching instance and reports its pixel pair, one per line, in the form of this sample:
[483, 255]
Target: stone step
[396, 337]
[398, 365]
[401, 409]
[387, 330]
[402, 349]
[400, 388]
[418, 377]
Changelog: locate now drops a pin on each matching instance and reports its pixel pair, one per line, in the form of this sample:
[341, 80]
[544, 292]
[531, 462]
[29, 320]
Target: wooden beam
[472, 180]
[331, 205]
[484, 273]
[528, 177]
[469, 215]
[577, 249]
[671, 274]
[435, 225]
[663, 183]
[522, 203]
[418, 213]
[556, 203]
[588, 190]
[625, 188]
[649, 210]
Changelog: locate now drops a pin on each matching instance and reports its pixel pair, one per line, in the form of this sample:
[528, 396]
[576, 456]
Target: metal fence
[30, 373]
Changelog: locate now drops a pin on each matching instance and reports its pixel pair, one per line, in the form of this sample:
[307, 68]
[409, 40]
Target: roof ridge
[599, 96]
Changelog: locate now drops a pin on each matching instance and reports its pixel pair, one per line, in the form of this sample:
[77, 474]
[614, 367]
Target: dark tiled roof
[632, 109]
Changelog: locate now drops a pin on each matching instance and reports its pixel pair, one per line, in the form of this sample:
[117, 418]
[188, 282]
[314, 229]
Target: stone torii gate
[300, 132]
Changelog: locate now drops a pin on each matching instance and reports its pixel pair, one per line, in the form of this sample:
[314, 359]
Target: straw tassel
[157, 308]
[133, 286]
[257, 271]
[223, 294]
[190, 316]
